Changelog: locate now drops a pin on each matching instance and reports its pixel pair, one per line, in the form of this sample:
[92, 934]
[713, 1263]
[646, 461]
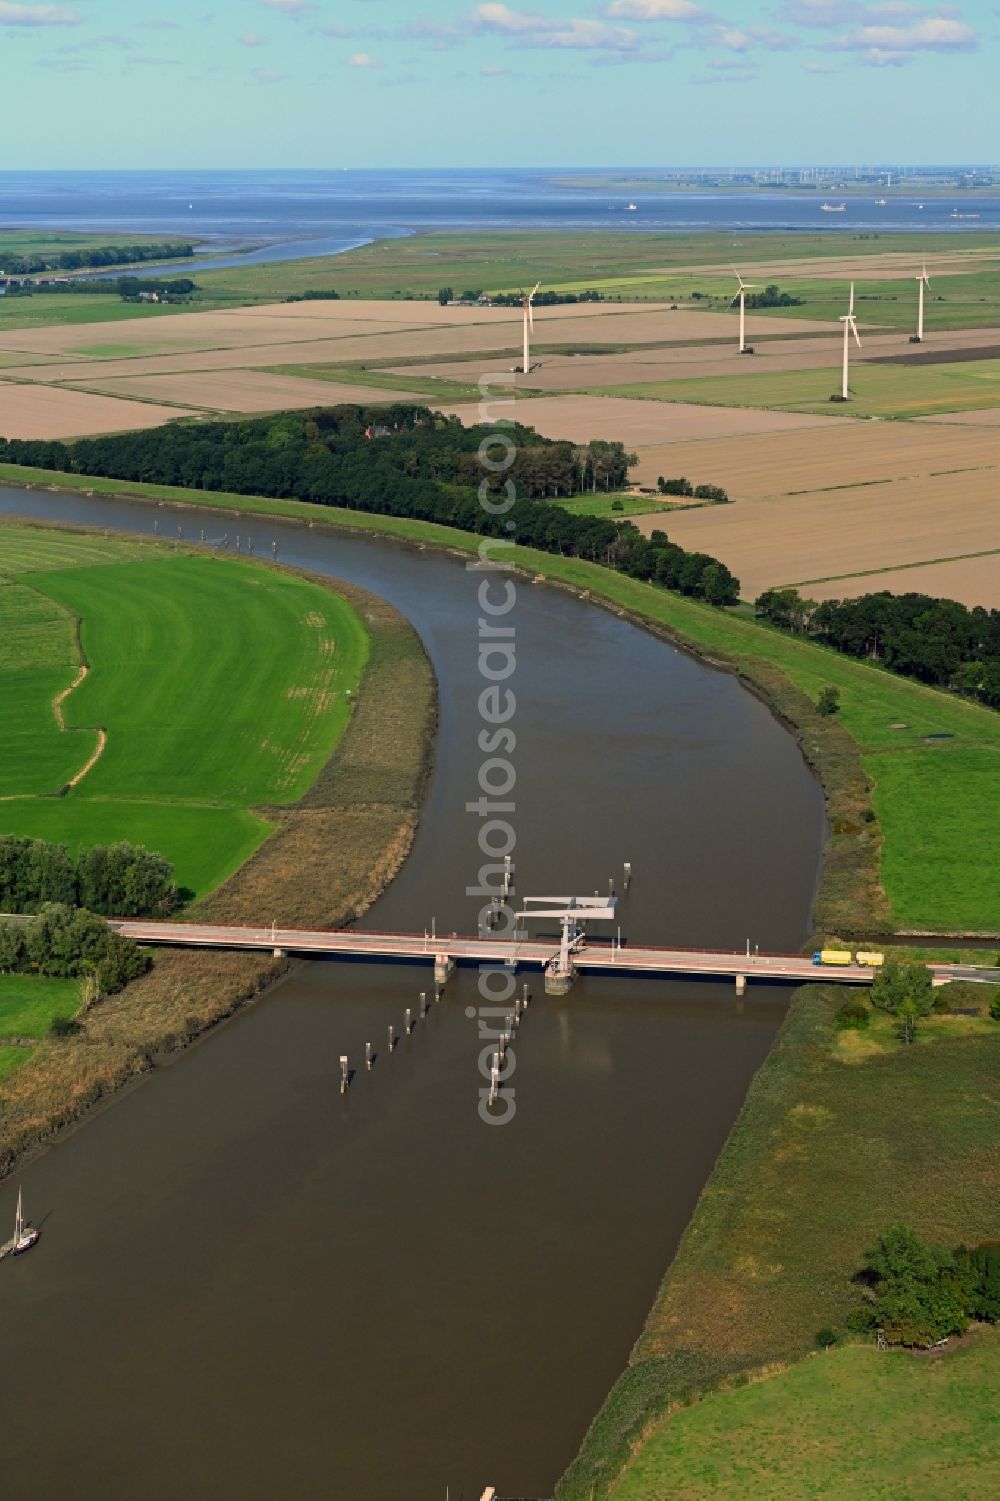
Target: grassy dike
[331, 855]
[913, 844]
[836, 1140]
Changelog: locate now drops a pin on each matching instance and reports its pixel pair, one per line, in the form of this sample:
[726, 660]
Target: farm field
[641, 423]
[241, 391]
[193, 741]
[796, 1196]
[877, 390]
[842, 535]
[33, 411]
[923, 1429]
[973, 580]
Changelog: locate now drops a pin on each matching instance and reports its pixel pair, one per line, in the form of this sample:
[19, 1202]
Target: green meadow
[920, 782]
[842, 1133]
[385, 380]
[850, 1423]
[29, 1004]
[877, 390]
[621, 263]
[221, 688]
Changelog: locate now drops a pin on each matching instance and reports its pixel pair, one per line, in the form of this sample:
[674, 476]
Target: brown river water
[250, 1286]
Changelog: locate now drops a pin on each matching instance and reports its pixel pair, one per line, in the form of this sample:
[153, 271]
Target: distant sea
[285, 215]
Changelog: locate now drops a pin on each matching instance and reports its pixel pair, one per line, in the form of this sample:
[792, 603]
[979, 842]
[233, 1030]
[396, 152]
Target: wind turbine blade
[854, 331]
[531, 317]
[850, 310]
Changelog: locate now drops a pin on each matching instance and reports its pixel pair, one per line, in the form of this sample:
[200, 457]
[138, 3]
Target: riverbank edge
[345, 839]
[850, 901]
[768, 1256]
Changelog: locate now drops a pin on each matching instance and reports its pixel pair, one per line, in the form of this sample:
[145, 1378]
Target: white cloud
[290, 7]
[752, 36]
[653, 10]
[533, 30]
[934, 34]
[845, 12]
[252, 39]
[36, 15]
[817, 68]
[268, 75]
[363, 60]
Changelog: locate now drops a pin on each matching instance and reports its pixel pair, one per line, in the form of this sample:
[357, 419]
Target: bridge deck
[532, 952]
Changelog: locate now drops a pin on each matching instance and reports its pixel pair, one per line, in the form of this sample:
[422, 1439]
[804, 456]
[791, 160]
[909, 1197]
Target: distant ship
[880, 203]
[956, 215]
[833, 208]
[632, 208]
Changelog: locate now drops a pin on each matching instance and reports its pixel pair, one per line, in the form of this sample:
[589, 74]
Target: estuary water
[250, 1286]
[271, 215]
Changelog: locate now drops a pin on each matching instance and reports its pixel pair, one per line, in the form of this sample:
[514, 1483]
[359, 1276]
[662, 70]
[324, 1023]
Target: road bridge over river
[589, 955]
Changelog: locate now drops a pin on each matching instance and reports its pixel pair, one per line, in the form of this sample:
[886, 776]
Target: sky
[435, 83]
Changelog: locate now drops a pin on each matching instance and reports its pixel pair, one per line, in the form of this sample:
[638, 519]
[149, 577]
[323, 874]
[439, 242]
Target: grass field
[195, 738]
[850, 1423]
[824, 1156]
[621, 263]
[880, 390]
[958, 829]
[615, 506]
[29, 1004]
[379, 380]
[46, 309]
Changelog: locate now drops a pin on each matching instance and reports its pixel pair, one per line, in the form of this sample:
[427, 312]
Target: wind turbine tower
[741, 297]
[922, 282]
[850, 327]
[529, 326]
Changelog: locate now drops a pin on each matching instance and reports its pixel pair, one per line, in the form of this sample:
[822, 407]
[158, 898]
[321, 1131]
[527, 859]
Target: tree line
[114, 880]
[65, 942]
[937, 641]
[400, 460]
[97, 255]
[127, 287]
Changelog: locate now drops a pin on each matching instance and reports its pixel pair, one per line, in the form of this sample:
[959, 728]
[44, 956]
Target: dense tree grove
[937, 641]
[401, 460]
[116, 880]
[97, 255]
[68, 943]
[916, 1293]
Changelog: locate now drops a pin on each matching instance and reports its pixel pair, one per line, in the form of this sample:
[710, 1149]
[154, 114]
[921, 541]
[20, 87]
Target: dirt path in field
[57, 709]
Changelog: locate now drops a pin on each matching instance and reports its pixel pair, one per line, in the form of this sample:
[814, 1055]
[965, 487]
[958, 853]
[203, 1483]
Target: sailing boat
[25, 1235]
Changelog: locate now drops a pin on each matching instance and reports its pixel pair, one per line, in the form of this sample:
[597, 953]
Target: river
[249, 1286]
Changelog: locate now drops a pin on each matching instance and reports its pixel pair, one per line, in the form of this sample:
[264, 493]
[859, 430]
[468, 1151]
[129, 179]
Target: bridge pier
[443, 966]
[559, 977]
[741, 984]
[281, 953]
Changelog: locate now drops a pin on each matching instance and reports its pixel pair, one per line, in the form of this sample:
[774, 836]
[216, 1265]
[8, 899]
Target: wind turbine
[922, 282]
[741, 295]
[529, 325]
[850, 327]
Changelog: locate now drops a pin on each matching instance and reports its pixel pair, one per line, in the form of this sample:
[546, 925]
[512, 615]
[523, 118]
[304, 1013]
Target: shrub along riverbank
[911, 774]
[832, 1146]
[331, 855]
